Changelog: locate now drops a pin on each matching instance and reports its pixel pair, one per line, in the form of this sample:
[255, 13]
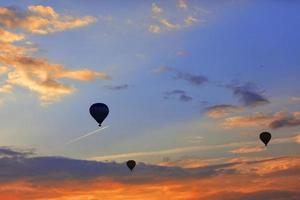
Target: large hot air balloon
[265, 137]
[131, 164]
[99, 112]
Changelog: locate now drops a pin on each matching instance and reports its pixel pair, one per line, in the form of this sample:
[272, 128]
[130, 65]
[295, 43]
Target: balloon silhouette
[265, 137]
[131, 164]
[99, 112]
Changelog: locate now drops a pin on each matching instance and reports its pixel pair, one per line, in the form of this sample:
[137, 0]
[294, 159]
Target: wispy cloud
[218, 111]
[162, 22]
[40, 19]
[295, 99]
[117, 87]
[248, 149]
[190, 20]
[248, 95]
[182, 4]
[273, 121]
[156, 9]
[182, 95]
[194, 79]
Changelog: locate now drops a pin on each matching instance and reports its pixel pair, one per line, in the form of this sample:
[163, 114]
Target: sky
[190, 86]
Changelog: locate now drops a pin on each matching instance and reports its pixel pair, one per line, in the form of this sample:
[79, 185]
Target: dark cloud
[248, 95]
[117, 87]
[181, 94]
[194, 79]
[257, 195]
[285, 121]
[34, 168]
[9, 152]
[191, 78]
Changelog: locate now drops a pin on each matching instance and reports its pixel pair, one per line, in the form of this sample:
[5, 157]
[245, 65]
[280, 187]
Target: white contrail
[86, 135]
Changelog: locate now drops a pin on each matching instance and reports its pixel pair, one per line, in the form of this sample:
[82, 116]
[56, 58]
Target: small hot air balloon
[99, 112]
[265, 137]
[131, 164]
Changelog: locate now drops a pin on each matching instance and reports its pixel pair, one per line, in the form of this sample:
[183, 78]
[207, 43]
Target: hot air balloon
[99, 112]
[265, 137]
[131, 164]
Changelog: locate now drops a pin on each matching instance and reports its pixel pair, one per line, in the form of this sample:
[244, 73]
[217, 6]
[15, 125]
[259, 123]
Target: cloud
[190, 20]
[21, 66]
[40, 19]
[250, 149]
[181, 53]
[117, 87]
[5, 88]
[168, 24]
[193, 79]
[69, 179]
[162, 22]
[154, 28]
[273, 121]
[295, 99]
[156, 9]
[297, 138]
[285, 121]
[163, 69]
[6, 36]
[7, 152]
[192, 162]
[258, 119]
[3, 70]
[248, 95]
[218, 111]
[182, 4]
[167, 152]
[257, 195]
[41, 76]
[181, 95]
[16, 165]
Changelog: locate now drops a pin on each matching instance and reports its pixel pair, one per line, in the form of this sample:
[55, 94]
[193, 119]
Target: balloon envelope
[99, 112]
[265, 137]
[131, 164]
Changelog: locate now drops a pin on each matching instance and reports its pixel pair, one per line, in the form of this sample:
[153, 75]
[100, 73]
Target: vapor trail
[86, 135]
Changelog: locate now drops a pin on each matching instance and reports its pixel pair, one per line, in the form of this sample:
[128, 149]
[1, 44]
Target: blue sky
[230, 44]
[190, 86]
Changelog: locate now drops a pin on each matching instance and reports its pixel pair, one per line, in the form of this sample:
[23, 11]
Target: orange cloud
[251, 183]
[41, 20]
[297, 138]
[222, 110]
[3, 70]
[193, 162]
[162, 22]
[6, 36]
[274, 121]
[248, 150]
[260, 119]
[40, 76]
[22, 68]
[48, 178]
